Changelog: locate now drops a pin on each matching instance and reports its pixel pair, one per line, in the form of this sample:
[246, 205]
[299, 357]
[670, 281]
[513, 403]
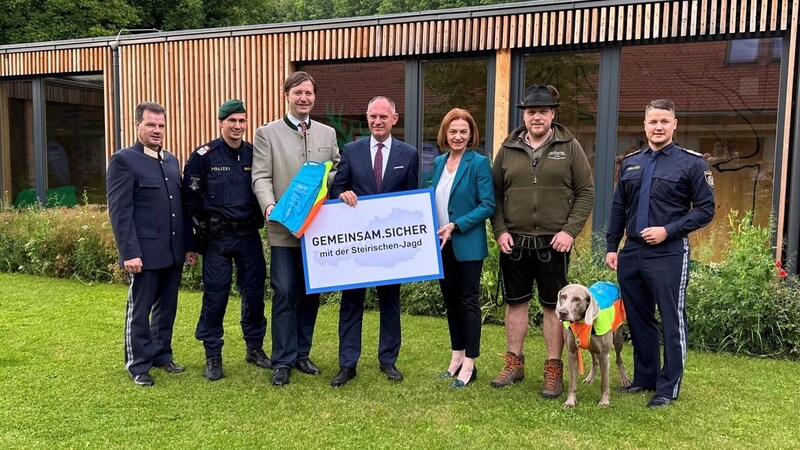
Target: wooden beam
[787, 128]
[502, 97]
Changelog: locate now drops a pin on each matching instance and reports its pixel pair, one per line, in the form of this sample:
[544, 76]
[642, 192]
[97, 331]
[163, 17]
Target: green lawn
[63, 385]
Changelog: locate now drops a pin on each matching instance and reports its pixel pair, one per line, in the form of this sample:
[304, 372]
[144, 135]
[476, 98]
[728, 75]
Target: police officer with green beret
[226, 217]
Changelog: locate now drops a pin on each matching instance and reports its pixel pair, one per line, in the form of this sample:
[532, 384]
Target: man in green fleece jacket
[544, 193]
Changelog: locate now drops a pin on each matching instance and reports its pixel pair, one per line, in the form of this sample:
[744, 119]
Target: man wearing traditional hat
[544, 191]
[226, 218]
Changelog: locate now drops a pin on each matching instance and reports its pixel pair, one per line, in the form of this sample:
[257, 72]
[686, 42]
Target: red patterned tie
[377, 168]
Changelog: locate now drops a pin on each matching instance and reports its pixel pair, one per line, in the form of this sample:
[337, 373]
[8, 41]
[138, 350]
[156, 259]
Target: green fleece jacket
[555, 196]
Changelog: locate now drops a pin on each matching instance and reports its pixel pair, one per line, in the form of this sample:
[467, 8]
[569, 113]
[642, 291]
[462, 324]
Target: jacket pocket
[149, 183]
[665, 186]
[215, 192]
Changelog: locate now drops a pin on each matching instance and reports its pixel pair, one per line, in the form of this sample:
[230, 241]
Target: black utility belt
[532, 242]
[218, 223]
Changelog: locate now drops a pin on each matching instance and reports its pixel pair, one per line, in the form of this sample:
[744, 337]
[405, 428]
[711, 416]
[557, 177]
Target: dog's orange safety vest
[609, 319]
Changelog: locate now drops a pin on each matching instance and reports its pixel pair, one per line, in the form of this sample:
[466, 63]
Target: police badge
[194, 184]
[709, 178]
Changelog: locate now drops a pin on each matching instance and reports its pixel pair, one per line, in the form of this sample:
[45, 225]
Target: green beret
[232, 106]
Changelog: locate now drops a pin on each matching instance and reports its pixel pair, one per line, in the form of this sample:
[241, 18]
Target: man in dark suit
[144, 206]
[373, 165]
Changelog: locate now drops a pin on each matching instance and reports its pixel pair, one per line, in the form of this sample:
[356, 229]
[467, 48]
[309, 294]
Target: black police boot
[213, 367]
[258, 357]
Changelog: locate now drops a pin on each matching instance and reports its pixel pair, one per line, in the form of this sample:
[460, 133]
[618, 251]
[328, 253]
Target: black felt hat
[540, 95]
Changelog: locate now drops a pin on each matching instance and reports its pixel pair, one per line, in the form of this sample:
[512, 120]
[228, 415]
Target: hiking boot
[513, 371]
[553, 378]
[213, 367]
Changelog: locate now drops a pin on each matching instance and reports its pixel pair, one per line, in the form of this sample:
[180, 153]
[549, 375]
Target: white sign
[385, 239]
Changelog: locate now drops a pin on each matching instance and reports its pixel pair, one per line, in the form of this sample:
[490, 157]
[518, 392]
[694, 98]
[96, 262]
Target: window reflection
[74, 141]
[344, 91]
[575, 75]
[16, 143]
[728, 112]
[448, 85]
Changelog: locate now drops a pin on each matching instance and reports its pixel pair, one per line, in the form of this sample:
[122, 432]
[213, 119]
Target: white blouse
[442, 195]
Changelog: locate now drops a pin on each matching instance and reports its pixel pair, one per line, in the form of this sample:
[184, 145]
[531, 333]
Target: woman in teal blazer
[464, 193]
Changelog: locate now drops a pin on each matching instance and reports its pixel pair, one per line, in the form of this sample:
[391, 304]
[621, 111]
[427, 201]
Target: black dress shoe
[172, 367]
[281, 377]
[458, 384]
[306, 366]
[258, 357]
[345, 374]
[391, 372]
[447, 374]
[213, 368]
[143, 379]
[633, 389]
[659, 402]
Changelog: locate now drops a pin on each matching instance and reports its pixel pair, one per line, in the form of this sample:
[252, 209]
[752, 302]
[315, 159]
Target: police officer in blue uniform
[664, 193]
[143, 183]
[226, 219]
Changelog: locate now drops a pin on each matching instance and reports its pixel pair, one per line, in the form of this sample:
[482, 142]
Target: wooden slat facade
[191, 74]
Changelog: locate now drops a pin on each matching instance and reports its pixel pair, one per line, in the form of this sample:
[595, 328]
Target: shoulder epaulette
[633, 153]
[207, 148]
[691, 152]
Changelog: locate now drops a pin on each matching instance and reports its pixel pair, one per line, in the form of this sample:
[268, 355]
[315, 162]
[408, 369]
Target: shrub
[746, 303]
[65, 242]
[741, 305]
[59, 242]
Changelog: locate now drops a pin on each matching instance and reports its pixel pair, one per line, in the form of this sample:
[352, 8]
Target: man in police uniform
[664, 193]
[226, 218]
[144, 207]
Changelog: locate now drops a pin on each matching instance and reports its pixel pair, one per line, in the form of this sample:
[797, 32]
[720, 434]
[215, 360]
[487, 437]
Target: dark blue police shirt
[217, 179]
[681, 194]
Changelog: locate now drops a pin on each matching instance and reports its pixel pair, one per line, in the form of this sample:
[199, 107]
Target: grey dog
[575, 303]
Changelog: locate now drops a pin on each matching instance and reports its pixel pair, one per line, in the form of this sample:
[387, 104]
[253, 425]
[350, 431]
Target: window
[743, 50]
[575, 75]
[75, 140]
[447, 85]
[344, 91]
[726, 112]
[72, 164]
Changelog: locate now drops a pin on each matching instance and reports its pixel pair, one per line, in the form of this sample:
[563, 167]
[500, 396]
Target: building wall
[192, 72]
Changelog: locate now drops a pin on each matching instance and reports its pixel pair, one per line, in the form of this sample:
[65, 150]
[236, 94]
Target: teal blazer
[471, 203]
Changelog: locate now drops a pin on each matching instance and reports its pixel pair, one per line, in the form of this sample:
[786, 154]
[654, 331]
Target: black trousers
[247, 251]
[351, 317]
[650, 277]
[460, 290]
[150, 315]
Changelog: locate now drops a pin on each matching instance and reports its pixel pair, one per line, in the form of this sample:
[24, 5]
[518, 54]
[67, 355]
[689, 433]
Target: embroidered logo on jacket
[709, 178]
[557, 155]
